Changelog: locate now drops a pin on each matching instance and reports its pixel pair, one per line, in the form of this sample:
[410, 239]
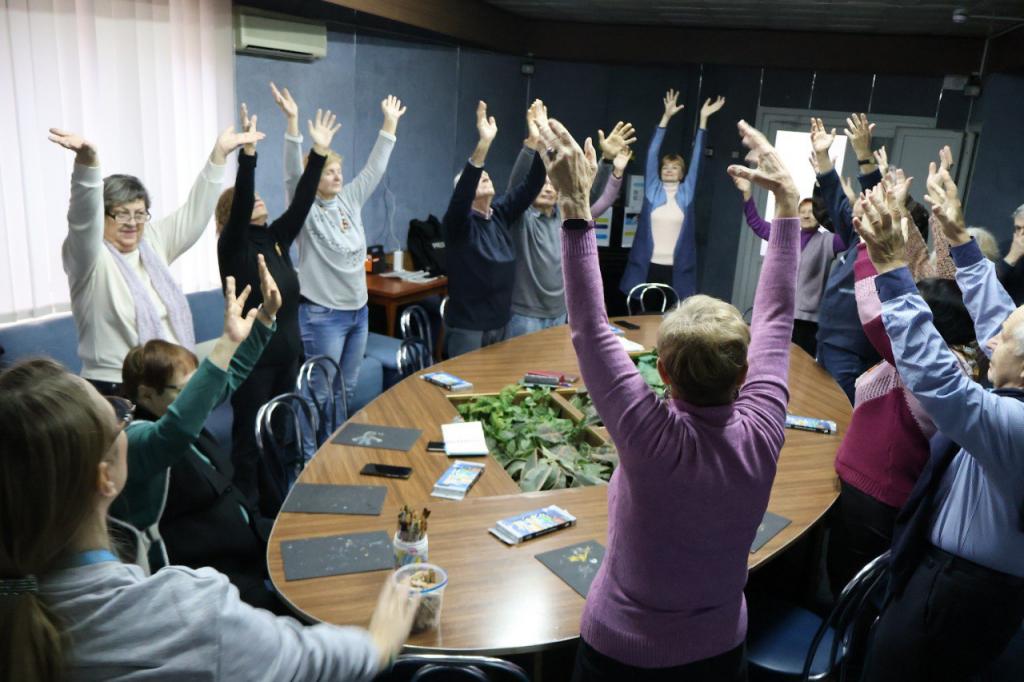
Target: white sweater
[101, 302]
[184, 624]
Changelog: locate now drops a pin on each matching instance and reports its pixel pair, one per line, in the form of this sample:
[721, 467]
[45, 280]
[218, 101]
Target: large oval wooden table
[500, 599]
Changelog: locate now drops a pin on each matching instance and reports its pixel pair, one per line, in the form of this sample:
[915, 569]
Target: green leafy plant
[647, 363]
[538, 446]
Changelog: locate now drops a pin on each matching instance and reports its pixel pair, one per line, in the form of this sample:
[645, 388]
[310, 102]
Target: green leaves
[539, 447]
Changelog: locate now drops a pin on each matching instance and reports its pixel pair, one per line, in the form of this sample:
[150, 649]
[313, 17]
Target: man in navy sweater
[480, 251]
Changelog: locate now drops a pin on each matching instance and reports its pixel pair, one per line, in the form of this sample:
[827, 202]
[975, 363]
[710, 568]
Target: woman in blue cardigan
[665, 249]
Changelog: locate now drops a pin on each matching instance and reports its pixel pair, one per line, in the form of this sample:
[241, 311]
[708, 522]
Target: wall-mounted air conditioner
[275, 35]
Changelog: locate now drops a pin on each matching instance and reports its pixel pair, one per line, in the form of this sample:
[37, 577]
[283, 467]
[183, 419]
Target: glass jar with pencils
[411, 537]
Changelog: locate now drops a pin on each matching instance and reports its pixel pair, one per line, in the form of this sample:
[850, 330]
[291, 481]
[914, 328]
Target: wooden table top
[394, 287]
[500, 599]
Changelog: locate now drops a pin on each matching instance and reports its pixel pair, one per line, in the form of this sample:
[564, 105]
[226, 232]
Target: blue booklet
[448, 381]
[458, 479]
[531, 524]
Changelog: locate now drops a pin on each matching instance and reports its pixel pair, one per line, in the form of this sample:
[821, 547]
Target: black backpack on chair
[426, 245]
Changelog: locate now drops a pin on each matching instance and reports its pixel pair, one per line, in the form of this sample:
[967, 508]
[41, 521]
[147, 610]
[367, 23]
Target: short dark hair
[919, 214]
[820, 209]
[949, 314]
[153, 365]
[121, 189]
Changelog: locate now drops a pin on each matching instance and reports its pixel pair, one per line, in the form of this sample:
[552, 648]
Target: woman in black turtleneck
[245, 234]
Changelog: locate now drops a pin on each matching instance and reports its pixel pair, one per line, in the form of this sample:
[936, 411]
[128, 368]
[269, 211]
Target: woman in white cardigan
[116, 258]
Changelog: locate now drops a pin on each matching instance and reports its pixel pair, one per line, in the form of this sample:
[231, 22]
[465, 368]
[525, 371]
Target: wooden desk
[392, 292]
[500, 599]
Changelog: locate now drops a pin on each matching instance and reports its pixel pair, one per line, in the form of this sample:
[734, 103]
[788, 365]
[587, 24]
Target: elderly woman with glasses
[116, 258]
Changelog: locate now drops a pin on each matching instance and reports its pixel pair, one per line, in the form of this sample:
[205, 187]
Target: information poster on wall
[603, 228]
[635, 194]
[629, 229]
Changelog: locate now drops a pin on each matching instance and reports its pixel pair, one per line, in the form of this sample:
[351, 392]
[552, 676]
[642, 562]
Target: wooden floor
[501, 599]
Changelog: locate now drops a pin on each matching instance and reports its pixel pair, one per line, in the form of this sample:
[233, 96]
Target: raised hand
[393, 110]
[743, 185]
[622, 136]
[945, 158]
[671, 108]
[85, 151]
[248, 126]
[229, 141]
[897, 186]
[884, 234]
[236, 325]
[268, 288]
[392, 619]
[288, 107]
[620, 162]
[322, 130]
[859, 130]
[770, 173]
[486, 126]
[533, 140]
[851, 194]
[571, 168]
[945, 202]
[709, 109]
[821, 138]
[882, 160]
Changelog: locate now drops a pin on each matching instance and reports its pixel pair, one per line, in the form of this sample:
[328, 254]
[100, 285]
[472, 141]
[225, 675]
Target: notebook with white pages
[464, 439]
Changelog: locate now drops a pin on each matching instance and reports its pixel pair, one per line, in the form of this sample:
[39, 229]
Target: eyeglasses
[124, 410]
[128, 218]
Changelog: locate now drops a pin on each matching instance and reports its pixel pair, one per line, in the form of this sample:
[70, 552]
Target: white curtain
[149, 82]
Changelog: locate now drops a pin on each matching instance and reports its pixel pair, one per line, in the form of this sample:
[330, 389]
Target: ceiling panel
[852, 16]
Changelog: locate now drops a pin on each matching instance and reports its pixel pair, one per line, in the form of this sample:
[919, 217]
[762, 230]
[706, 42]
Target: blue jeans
[459, 341]
[523, 324]
[844, 366]
[338, 334]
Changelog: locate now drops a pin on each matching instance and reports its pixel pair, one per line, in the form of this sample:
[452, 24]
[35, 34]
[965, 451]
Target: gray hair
[121, 189]
[1018, 338]
[1019, 213]
[986, 242]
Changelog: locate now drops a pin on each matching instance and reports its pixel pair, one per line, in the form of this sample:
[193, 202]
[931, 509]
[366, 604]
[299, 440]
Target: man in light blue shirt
[963, 600]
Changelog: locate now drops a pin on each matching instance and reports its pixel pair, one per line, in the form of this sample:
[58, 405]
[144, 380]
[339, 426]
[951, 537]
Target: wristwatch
[261, 310]
[865, 162]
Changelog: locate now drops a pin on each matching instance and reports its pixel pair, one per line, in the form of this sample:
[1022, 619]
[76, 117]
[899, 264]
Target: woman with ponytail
[69, 609]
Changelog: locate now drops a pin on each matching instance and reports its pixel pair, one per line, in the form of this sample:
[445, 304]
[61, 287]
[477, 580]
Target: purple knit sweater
[693, 482]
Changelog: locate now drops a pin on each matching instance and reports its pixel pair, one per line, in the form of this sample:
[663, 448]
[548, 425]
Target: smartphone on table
[626, 324]
[386, 470]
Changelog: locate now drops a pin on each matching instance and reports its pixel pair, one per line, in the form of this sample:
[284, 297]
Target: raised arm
[286, 228]
[869, 307]
[512, 204]
[531, 145]
[612, 185]
[292, 140]
[456, 217]
[612, 147]
[765, 390]
[360, 188]
[235, 231]
[859, 130]
[85, 210]
[987, 426]
[652, 177]
[175, 234]
[761, 227]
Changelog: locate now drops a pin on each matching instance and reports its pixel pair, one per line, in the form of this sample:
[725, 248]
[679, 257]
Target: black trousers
[105, 387]
[953, 618]
[661, 274]
[593, 666]
[861, 530]
[805, 335]
[252, 475]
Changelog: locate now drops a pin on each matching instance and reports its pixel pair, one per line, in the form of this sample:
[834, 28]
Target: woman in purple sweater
[696, 470]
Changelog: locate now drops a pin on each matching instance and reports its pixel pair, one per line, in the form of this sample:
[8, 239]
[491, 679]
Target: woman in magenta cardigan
[696, 470]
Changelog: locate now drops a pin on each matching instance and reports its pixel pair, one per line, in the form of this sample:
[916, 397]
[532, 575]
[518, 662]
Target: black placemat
[576, 564]
[377, 436]
[315, 498]
[337, 555]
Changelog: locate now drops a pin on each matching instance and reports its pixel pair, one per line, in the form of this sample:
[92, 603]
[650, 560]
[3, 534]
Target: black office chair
[415, 324]
[440, 668]
[413, 355]
[786, 642]
[288, 441]
[320, 381]
[637, 297]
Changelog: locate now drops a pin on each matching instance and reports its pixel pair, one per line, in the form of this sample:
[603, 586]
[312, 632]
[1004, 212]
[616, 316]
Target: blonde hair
[54, 437]
[332, 157]
[703, 346]
[673, 158]
[986, 242]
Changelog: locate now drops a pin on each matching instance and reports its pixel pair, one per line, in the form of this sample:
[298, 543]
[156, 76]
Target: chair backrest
[289, 441]
[413, 355]
[415, 324]
[321, 382]
[441, 668]
[637, 297]
[849, 615]
[444, 306]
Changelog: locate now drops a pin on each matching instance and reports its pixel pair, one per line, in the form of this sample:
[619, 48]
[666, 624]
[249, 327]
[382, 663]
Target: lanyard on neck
[94, 556]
